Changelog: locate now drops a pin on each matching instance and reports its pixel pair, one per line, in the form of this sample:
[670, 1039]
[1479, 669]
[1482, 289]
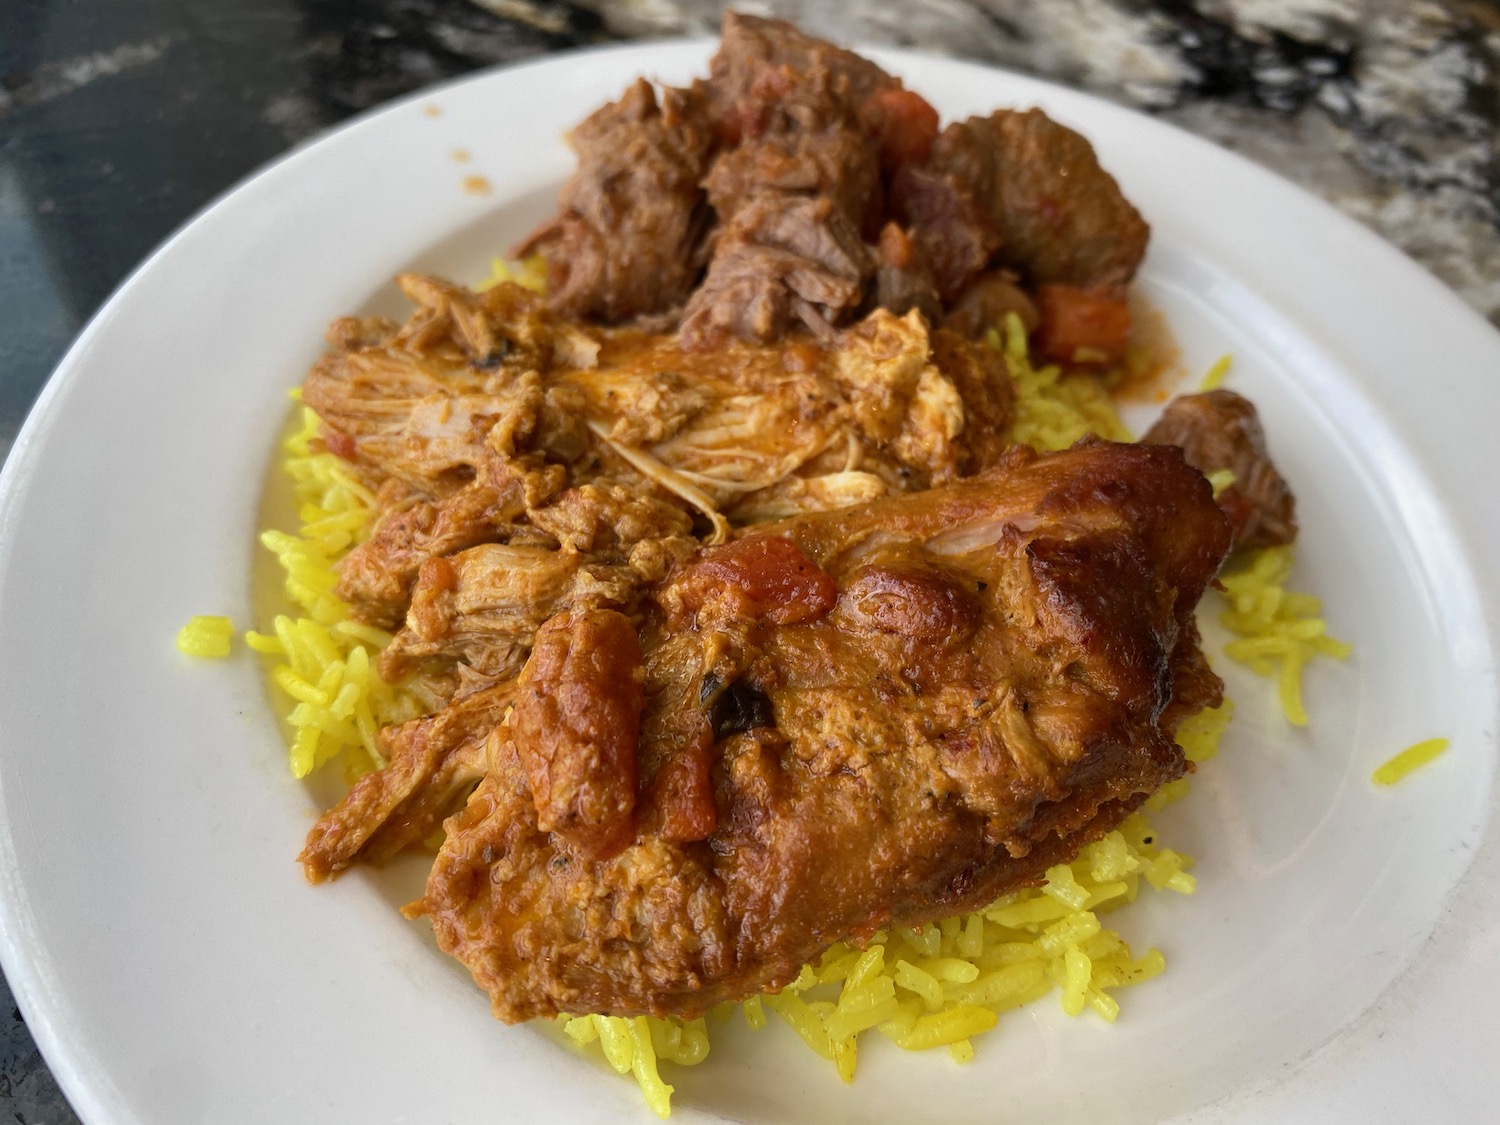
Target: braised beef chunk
[809, 131]
[986, 303]
[626, 240]
[776, 179]
[1019, 188]
[758, 59]
[944, 202]
[791, 199]
[1062, 218]
[789, 255]
[808, 145]
[946, 693]
[1220, 430]
[904, 126]
[903, 279]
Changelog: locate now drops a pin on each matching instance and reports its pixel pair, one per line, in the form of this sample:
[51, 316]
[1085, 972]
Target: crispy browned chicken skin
[883, 714]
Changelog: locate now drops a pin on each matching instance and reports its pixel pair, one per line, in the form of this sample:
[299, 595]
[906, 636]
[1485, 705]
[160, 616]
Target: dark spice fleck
[741, 707]
[712, 682]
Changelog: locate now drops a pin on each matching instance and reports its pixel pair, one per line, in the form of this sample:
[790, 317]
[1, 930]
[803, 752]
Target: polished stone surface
[120, 118]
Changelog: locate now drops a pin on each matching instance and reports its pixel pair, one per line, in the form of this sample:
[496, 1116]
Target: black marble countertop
[120, 118]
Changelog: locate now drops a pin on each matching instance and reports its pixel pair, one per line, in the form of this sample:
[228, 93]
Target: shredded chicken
[543, 445]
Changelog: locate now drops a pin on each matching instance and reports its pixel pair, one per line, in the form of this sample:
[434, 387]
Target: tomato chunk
[761, 576]
[576, 720]
[1082, 325]
[339, 443]
[681, 797]
[904, 124]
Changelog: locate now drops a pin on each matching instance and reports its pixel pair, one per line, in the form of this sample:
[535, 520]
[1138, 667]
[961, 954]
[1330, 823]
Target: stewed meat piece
[753, 50]
[791, 199]
[486, 419]
[627, 238]
[903, 279]
[810, 132]
[760, 59]
[986, 303]
[945, 204]
[434, 764]
[1218, 431]
[1020, 189]
[1065, 224]
[807, 143]
[785, 262]
[1063, 219]
[417, 404]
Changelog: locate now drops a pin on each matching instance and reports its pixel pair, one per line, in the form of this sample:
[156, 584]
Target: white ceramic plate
[1341, 962]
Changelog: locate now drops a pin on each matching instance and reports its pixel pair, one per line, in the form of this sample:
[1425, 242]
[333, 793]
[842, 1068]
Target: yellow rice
[530, 273]
[938, 986]
[1279, 630]
[944, 984]
[1214, 376]
[1413, 757]
[1053, 409]
[206, 637]
[323, 661]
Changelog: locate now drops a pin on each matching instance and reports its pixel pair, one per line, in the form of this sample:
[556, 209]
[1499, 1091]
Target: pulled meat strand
[554, 446]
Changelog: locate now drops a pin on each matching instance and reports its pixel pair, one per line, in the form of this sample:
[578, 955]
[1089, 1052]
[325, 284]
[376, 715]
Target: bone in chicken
[879, 715]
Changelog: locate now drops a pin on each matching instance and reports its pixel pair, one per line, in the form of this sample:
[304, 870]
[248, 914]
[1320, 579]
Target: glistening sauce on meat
[739, 625]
